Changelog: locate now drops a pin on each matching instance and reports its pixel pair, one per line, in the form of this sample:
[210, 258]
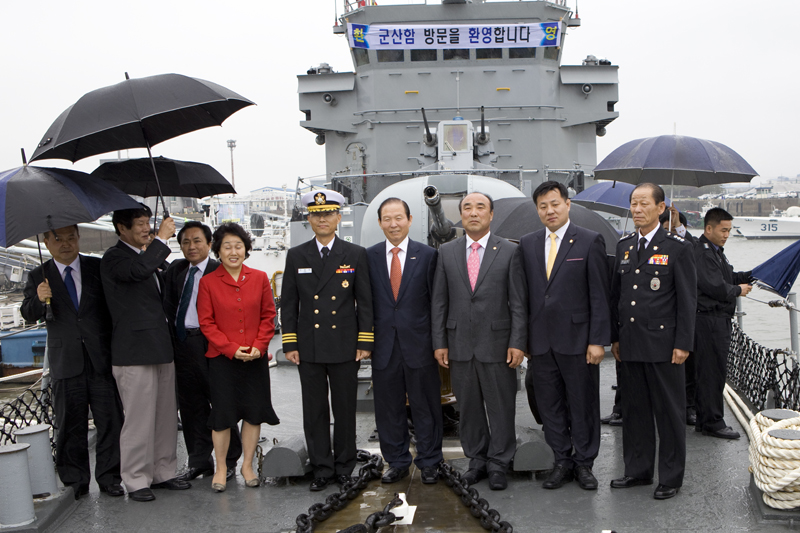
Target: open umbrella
[610, 196]
[515, 217]
[779, 272]
[137, 113]
[177, 178]
[675, 160]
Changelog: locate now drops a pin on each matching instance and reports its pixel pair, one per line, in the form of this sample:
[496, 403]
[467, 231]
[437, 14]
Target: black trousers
[691, 380]
[72, 398]
[194, 402]
[567, 392]
[423, 388]
[712, 341]
[655, 396]
[315, 379]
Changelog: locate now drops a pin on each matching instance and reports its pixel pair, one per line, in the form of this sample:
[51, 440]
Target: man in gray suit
[479, 332]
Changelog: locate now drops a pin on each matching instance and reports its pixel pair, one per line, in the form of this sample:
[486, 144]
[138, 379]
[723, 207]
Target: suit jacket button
[637, 271]
[333, 312]
[633, 303]
[316, 297]
[316, 326]
[662, 326]
[333, 297]
[241, 331]
[237, 290]
[632, 319]
[635, 286]
[546, 296]
[333, 326]
[316, 311]
[238, 299]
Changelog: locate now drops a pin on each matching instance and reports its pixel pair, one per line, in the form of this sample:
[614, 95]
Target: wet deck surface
[714, 496]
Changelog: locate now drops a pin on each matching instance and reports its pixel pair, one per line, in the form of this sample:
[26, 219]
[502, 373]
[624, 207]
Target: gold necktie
[551, 257]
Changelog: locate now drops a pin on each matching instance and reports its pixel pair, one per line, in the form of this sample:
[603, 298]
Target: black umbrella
[675, 160]
[177, 178]
[137, 113]
[515, 217]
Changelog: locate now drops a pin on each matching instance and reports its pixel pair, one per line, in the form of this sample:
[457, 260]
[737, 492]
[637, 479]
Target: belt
[716, 315]
[193, 331]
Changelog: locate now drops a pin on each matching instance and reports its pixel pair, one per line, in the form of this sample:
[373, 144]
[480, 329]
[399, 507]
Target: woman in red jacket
[237, 316]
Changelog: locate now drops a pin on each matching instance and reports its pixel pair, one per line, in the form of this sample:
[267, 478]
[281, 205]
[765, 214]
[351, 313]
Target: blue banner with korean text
[423, 36]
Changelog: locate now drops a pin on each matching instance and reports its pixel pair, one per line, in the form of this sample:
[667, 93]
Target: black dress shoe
[142, 495]
[194, 473]
[115, 489]
[343, 479]
[725, 433]
[80, 490]
[626, 482]
[558, 477]
[611, 418]
[665, 493]
[586, 479]
[691, 417]
[172, 484]
[429, 475]
[472, 476]
[320, 483]
[230, 473]
[393, 475]
[497, 480]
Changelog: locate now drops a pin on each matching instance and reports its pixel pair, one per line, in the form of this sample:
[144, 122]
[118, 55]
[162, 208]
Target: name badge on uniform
[304, 271]
[660, 259]
[625, 261]
[655, 284]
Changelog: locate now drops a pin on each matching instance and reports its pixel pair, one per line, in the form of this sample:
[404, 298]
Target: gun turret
[442, 229]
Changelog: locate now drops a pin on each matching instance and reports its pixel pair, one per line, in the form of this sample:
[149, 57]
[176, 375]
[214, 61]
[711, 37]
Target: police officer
[717, 288]
[324, 281]
[653, 298]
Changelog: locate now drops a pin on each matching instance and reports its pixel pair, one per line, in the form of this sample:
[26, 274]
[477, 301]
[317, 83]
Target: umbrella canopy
[610, 196]
[780, 271]
[676, 160]
[515, 217]
[137, 113]
[177, 178]
[34, 200]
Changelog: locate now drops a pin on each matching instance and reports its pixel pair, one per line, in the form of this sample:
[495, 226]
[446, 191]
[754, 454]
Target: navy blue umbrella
[779, 271]
[609, 196]
[676, 160]
[35, 199]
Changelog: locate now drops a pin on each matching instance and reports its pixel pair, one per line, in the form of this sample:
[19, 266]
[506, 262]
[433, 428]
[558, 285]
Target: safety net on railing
[33, 406]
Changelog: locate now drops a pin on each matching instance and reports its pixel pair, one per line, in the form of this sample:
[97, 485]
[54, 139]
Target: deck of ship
[714, 497]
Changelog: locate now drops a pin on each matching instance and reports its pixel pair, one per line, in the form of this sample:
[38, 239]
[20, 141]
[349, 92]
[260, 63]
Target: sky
[714, 69]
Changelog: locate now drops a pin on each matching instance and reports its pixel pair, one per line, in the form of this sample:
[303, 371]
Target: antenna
[458, 92]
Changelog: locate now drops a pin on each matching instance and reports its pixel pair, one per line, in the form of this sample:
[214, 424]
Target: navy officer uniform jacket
[318, 304]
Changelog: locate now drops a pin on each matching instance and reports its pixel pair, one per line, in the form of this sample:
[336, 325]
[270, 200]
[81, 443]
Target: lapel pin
[655, 247]
[631, 247]
[494, 248]
[570, 241]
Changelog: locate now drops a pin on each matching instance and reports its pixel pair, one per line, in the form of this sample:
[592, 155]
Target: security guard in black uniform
[653, 302]
[326, 308]
[717, 288]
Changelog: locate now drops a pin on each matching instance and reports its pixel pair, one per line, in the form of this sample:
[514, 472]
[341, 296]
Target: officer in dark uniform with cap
[326, 308]
[653, 302]
[717, 288]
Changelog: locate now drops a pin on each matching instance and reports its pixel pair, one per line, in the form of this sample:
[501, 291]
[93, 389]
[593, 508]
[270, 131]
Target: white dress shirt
[401, 255]
[191, 321]
[560, 232]
[482, 241]
[649, 237]
[76, 273]
[320, 246]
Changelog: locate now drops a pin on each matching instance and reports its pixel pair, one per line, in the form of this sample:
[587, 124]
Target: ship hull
[767, 227]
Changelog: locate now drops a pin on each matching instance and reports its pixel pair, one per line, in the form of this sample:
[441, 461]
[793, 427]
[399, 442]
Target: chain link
[478, 507]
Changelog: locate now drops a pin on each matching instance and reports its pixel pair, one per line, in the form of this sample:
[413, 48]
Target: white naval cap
[322, 200]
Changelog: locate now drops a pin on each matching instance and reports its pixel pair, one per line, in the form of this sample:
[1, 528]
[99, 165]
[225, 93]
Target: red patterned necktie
[473, 265]
[396, 274]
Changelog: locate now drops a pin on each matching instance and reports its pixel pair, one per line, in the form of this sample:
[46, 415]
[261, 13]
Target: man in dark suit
[480, 333]
[141, 354]
[718, 286]
[567, 275]
[401, 274]
[79, 353]
[653, 307]
[326, 308]
[181, 282]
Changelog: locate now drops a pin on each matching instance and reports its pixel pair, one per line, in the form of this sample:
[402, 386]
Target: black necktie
[183, 306]
[325, 253]
[642, 244]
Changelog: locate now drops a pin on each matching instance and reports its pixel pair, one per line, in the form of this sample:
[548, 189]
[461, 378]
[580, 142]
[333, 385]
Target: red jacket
[234, 314]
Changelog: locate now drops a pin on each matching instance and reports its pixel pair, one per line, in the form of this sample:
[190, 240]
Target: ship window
[455, 137]
[551, 52]
[455, 53]
[423, 55]
[361, 56]
[390, 56]
[521, 53]
[489, 53]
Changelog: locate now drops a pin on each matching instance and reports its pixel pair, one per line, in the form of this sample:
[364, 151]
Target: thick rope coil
[775, 462]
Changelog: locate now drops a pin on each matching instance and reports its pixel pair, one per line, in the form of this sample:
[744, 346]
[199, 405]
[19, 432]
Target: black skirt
[239, 391]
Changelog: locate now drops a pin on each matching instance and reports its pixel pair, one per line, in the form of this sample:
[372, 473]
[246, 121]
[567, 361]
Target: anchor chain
[319, 512]
[478, 507]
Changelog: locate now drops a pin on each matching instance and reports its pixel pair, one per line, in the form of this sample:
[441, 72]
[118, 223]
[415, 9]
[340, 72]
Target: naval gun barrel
[441, 228]
[429, 139]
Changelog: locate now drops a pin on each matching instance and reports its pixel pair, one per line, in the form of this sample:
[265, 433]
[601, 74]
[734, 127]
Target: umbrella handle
[48, 311]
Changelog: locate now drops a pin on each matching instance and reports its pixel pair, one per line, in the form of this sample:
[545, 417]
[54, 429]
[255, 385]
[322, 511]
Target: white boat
[779, 225]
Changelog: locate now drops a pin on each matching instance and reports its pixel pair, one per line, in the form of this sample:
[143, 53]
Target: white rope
[775, 462]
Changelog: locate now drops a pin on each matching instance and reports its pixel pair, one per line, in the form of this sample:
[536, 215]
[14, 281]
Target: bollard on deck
[40, 459]
[16, 504]
[287, 458]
